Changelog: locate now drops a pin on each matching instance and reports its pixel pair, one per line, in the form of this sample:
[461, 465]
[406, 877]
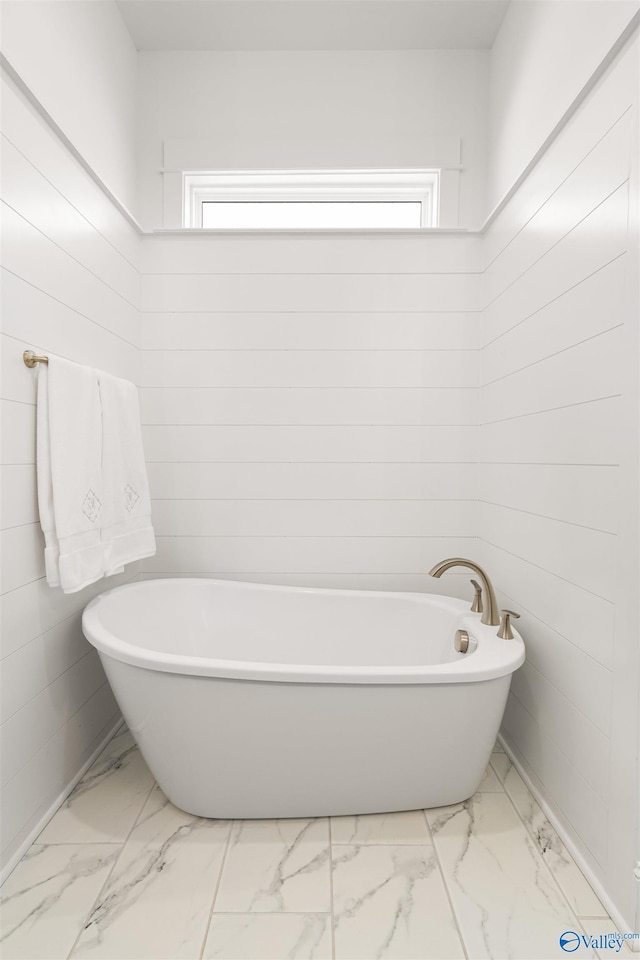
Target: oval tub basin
[250, 700]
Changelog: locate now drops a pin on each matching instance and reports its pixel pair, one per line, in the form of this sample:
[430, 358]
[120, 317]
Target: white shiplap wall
[310, 405]
[70, 286]
[311, 408]
[558, 440]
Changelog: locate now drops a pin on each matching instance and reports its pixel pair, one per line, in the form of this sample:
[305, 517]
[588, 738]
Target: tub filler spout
[490, 613]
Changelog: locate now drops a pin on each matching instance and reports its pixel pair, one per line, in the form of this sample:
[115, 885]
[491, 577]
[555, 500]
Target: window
[331, 200]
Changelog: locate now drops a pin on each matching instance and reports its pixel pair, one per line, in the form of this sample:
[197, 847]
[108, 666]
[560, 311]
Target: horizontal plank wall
[310, 406]
[558, 438]
[70, 287]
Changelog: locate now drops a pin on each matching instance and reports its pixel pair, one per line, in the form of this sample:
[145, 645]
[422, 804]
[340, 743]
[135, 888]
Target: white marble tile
[490, 782]
[269, 936]
[158, 899]
[505, 898]
[47, 897]
[407, 827]
[106, 802]
[390, 901]
[501, 764]
[279, 866]
[574, 885]
[159, 821]
[497, 747]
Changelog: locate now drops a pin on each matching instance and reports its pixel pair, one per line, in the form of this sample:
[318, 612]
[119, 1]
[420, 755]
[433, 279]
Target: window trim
[312, 186]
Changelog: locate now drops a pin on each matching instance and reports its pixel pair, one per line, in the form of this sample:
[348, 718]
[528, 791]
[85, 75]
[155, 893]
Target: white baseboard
[618, 920]
[15, 859]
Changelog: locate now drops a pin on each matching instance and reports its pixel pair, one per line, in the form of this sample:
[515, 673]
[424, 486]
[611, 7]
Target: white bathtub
[249, 700]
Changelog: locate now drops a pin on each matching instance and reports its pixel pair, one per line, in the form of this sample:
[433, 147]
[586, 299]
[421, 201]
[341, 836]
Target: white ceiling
[312, 24]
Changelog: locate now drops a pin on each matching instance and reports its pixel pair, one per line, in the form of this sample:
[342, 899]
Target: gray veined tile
[158, 899]
[490, 782]
[505, 898]
[279, 866]
[501, 764]
[104, 805]
[571, 880]
[159, 821]
[47, 897]
[406, 827]
[390, 902]
[269, 936]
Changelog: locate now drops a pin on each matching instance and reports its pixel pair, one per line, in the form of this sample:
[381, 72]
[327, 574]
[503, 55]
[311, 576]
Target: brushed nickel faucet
[490, 611]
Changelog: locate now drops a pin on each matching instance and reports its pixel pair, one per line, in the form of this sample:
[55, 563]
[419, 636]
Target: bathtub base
[239, 749]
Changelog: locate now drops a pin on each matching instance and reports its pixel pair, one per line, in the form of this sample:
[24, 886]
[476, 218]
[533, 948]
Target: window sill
[368, 231]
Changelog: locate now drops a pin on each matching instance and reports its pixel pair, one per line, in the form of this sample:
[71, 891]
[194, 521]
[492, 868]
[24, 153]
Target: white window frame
[422, 186]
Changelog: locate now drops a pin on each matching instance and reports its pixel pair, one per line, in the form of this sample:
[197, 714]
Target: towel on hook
[127, 533]
[70, 484]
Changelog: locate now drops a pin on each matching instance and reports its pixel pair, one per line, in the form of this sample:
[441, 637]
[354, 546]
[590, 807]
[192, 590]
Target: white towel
[70, 487]
[127, 533]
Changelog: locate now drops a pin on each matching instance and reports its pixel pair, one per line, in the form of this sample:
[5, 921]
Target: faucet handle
[505, 632]
[476, 606]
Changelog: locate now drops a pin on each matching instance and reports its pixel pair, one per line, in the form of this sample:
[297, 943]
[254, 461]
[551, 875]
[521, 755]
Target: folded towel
[93, 494]
[127, 533]
[70, 488]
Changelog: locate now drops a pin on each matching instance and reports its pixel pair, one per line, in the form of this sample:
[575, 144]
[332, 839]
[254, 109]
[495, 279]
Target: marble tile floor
[120, 873]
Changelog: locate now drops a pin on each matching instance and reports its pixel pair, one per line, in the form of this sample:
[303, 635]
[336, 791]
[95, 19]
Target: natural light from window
[308, 200]
[310, 215]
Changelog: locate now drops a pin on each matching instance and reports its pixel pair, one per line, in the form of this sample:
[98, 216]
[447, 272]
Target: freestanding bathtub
[250, 700]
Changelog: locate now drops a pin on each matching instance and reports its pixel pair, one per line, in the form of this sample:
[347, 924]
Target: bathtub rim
[491, 659]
